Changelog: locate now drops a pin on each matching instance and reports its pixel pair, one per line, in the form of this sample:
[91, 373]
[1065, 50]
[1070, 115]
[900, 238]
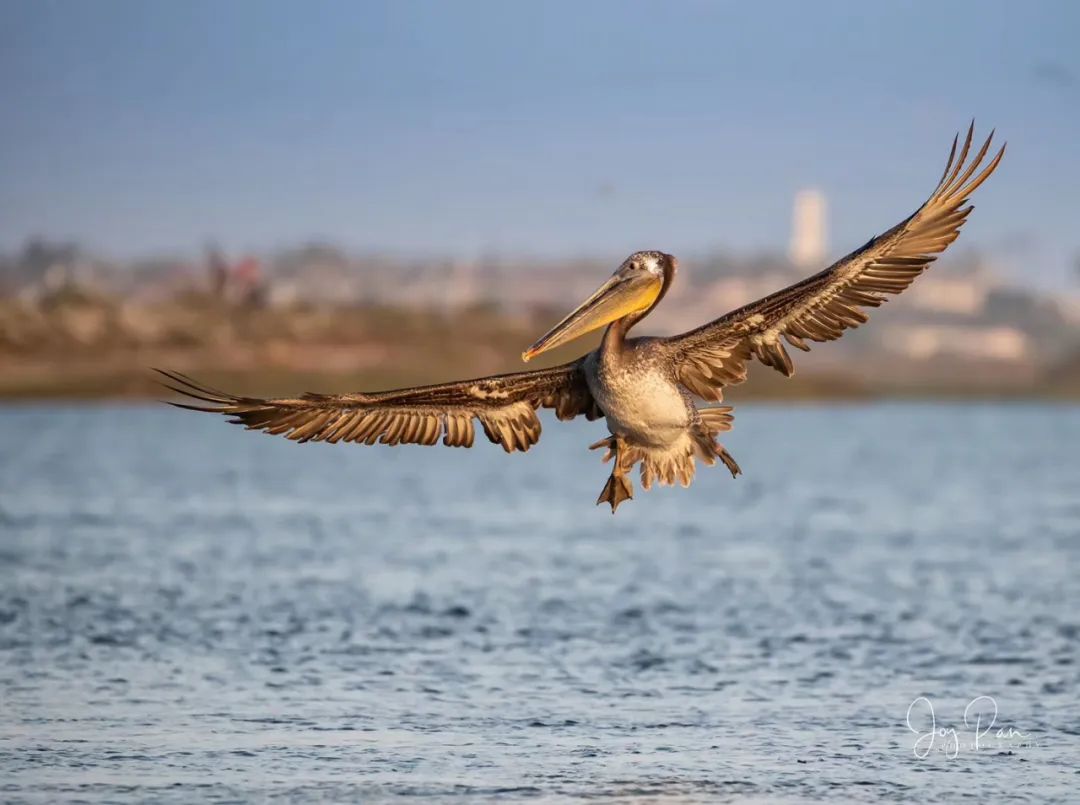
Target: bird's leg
[618, 487]
[714, 421]
[729, 462]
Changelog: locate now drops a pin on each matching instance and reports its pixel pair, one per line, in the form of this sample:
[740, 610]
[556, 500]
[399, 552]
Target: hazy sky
[526, 127]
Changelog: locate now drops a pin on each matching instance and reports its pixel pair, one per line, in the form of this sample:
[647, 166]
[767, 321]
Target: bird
[658, 395]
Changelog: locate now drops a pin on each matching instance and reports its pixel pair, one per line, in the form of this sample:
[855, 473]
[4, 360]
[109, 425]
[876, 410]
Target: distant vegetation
[75, 326]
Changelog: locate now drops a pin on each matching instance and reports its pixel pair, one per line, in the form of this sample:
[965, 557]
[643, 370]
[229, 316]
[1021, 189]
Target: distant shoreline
[102, 349]
[55, 383]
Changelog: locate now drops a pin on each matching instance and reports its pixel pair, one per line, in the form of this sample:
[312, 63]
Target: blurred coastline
[76, 325]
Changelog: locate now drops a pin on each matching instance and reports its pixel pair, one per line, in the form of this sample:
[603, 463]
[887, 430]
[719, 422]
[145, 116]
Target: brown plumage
[504, 406]
[643, 386]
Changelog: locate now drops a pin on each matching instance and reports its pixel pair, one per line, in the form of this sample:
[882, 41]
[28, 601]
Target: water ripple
[193, 613]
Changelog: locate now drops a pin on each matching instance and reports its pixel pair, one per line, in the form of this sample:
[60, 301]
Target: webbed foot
[612, 447]
[729, 462]
[617, 489]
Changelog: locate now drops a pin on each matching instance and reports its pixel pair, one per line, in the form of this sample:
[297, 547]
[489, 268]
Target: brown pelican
[645, 387]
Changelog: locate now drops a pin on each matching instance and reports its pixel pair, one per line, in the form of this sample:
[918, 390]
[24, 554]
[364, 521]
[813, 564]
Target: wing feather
[822, 307]
[505, 405]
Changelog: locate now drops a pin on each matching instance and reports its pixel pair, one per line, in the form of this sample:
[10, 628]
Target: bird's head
[633, 290]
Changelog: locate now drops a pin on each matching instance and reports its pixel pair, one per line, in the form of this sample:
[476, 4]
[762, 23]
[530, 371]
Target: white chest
[639, 401]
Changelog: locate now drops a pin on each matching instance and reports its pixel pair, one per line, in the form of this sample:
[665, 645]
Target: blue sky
[540, 128]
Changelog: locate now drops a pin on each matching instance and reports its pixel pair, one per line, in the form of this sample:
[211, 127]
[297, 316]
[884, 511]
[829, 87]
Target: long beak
[614, 299]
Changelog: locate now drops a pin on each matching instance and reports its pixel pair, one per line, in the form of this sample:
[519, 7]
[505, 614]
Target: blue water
[193, 613]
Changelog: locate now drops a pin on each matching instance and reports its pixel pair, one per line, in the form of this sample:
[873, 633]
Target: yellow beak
[616, 298]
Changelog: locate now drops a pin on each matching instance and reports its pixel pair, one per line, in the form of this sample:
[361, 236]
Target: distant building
[1068, 303]
[925, 342]
[961, 288]
[462, 288]
[808, 240]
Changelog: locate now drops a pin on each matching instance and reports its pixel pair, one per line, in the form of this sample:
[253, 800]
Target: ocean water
[193, 613]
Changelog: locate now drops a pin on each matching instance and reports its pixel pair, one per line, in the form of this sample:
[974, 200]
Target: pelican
[646, 388]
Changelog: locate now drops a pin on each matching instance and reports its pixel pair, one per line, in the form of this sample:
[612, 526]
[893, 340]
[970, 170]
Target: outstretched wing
[821, 307]
[505, 406]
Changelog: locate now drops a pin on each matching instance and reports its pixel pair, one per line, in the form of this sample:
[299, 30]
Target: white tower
[808, 229]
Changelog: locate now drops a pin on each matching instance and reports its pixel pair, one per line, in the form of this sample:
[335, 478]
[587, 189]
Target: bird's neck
[615, 335]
